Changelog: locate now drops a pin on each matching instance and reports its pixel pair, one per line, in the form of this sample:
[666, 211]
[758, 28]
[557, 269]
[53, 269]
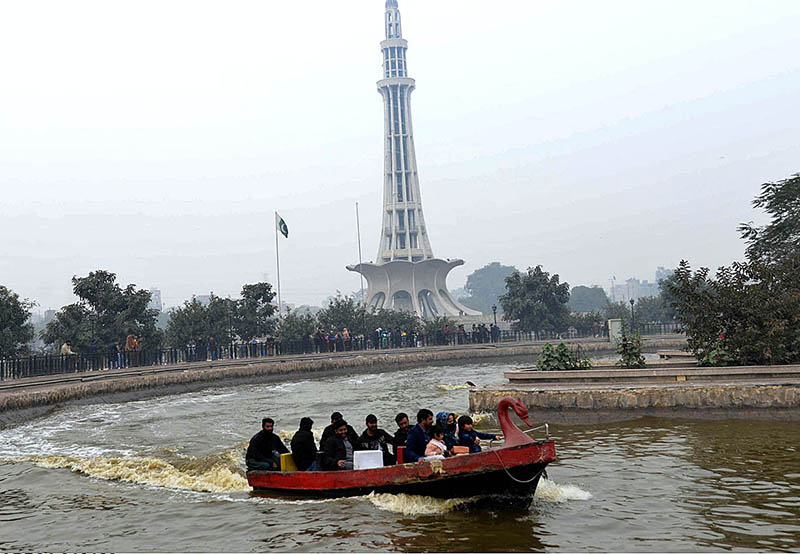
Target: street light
[494, 312]
[632, 316]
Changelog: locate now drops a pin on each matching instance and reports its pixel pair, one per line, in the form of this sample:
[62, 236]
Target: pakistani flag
[280, 224]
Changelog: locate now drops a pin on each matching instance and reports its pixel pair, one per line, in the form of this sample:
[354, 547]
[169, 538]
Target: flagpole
[358, 229]
[278, 264]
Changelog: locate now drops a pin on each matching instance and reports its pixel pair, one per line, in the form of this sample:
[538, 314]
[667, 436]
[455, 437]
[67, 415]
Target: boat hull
[511, 472]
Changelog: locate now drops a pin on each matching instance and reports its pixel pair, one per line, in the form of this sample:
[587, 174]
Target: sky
[598, 139]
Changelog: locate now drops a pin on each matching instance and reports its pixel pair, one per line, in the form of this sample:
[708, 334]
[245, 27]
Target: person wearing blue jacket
[418, 437]
[469, 437]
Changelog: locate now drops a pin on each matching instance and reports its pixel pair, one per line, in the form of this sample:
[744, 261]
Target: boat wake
[216, 473]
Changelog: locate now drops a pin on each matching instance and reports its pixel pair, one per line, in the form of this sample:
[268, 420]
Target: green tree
[749, 312]
[486, 285]
[536, 301]
[104, 312]
[193, 320]
[295, 328]
[254, 312]
[653, 309]
[434, 327]
[587, 299]
[587, 323]
[16, 330]
[344, 311]
[780, 238]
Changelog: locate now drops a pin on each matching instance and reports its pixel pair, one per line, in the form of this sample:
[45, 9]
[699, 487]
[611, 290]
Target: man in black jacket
[376, 439]
[304, 449]
[337, 451]
[265, 449]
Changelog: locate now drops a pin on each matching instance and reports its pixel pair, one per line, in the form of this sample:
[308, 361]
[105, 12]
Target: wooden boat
[511, 471]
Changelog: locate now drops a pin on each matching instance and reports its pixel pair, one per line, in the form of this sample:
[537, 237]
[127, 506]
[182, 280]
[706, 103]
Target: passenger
[418, 436]
[328, 431]
[265, 449]
[337, 451]
[304, 449]
[470, 438]
[447, 421]
[436, 448]
[374, 438]
[401, 434]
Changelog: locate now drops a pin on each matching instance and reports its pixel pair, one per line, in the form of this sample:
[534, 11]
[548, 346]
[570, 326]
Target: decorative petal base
[419, 287]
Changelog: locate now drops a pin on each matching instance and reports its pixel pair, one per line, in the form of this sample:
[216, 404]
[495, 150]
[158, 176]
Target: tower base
[418, 287]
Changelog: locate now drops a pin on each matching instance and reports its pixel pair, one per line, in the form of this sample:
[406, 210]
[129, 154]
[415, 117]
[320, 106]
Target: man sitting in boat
[265, 449]
[374, 438]
[418, 436]
[304, 449]
[337, 451]
[469, 437]
[401, 434]
[329, 430]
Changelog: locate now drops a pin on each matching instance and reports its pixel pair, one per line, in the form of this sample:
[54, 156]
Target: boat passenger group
[425, 441]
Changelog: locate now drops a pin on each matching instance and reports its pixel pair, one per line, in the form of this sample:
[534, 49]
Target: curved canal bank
[27, 398]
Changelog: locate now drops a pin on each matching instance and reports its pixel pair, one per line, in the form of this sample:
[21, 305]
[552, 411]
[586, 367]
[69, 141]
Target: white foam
[550, 491]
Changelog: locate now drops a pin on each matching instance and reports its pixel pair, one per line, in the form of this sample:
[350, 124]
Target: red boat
[511, 471]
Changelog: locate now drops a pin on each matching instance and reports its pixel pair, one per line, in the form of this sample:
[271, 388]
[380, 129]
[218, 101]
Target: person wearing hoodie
[447, 421]
[469, 437]
[304, 449]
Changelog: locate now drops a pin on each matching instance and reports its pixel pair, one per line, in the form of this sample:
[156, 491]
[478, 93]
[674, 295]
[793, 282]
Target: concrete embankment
[771, 392]
[27, 398]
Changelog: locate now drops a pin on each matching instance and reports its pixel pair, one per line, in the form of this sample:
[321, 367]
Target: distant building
[49, 315]
[633, 289]
[663, 273]
[155, 300]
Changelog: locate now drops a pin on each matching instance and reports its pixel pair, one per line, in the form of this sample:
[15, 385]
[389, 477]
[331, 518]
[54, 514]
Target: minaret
[403, 233]
[405, 275]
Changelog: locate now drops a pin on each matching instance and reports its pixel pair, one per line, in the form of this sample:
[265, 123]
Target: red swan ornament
[513, 435]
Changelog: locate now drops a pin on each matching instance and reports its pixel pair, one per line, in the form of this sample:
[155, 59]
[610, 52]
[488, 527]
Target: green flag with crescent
[281, 225]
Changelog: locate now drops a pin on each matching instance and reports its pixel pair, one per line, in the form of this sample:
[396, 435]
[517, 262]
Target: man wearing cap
[376, 439]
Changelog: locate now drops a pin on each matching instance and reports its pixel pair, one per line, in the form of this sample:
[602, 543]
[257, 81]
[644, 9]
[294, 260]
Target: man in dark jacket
[304, 449]
[401, 434]
[418, 436]
[328, 432]
[265, 449]
[337, 451]
[376, 439]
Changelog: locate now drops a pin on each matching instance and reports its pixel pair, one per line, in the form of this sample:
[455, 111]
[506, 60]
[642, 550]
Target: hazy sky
[599, 139]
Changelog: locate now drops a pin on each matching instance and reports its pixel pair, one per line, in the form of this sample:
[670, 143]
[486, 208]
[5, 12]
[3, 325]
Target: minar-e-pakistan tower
[405, 276]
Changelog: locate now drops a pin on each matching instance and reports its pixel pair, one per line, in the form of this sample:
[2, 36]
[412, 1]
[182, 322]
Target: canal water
[167, 475]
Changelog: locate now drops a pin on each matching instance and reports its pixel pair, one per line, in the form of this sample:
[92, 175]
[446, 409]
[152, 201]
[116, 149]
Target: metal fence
[96, 360]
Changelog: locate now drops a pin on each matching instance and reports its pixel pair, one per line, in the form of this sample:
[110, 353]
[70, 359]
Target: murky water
[167, 475]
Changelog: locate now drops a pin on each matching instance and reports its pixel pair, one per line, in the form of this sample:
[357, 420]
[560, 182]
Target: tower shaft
[403, 232]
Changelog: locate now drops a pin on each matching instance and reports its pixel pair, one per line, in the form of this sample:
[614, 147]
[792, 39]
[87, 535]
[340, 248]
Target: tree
[486, 285]
[536, 300]
[587, 299]
[194, 320]
[16, 330]
[104, 312]
[780, 238]
[587, 323]
[749, 312]
[254, 311]
[653, 309]
[296, 328]
[344, 311]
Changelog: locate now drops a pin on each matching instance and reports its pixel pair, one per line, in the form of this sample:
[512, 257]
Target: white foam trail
[412, 505]
[550, 491]
[451, 387]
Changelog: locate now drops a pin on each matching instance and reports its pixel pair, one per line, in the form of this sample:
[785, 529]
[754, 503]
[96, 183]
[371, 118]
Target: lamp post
[633, 320]
[494, 313]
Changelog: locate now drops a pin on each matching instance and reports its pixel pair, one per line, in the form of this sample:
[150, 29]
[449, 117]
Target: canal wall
[771, 392]
[37, 396]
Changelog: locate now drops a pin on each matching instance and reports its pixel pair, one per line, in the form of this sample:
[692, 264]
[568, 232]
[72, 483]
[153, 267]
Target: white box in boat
[367, 459]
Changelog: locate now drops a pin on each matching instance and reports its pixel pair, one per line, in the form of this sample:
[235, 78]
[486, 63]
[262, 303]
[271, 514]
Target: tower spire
[394, 27]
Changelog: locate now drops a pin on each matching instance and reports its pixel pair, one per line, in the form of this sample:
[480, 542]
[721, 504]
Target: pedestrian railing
[96, 360]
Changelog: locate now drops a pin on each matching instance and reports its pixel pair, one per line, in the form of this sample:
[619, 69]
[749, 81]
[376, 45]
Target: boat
[510, 471]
